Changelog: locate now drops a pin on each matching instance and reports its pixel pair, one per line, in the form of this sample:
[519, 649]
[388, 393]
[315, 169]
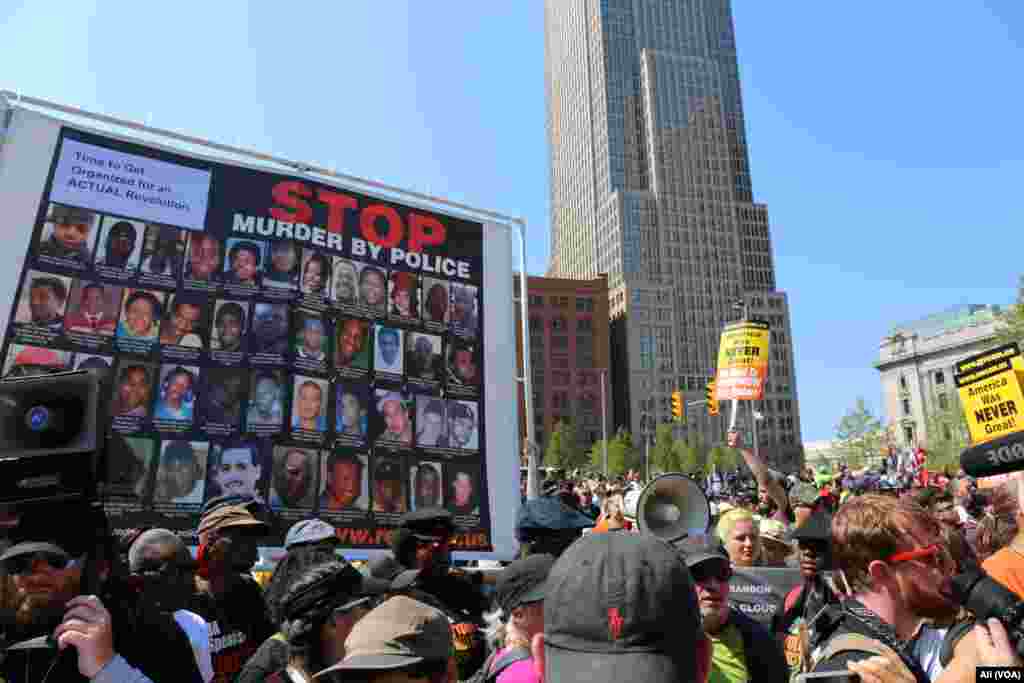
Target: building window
[947, 434]
[584, 305]
[536, 300]
[536, 325]
[908, 434]
[584, 325]
[903, 382]
[943, 402]
[940, 377]
[559, 342]
[906, 406]
[558, 323]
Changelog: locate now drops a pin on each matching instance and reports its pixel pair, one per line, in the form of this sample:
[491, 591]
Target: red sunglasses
[930, 552]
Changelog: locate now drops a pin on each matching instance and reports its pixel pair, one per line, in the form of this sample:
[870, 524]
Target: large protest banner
[263, 333]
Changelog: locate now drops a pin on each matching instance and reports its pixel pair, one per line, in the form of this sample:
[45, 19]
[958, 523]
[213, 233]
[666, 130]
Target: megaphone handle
[735, 414]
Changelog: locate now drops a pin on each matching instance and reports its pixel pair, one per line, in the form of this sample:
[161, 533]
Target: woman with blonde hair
[739, 532]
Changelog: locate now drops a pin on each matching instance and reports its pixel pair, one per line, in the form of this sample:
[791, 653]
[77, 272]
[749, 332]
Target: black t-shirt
[149, 641]
[238, 625]
[271, 657]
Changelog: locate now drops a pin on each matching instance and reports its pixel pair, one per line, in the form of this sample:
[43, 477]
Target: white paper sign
[105, 180]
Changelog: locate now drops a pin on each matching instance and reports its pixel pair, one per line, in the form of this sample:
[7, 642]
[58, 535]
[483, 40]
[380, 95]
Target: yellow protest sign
[990, 392]
[742, 361]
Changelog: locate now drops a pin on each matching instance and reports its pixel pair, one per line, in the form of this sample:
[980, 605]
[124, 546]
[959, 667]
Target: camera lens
[37, 419]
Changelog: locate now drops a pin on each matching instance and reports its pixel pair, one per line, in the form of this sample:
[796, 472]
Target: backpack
[856, 642]
[495, 665]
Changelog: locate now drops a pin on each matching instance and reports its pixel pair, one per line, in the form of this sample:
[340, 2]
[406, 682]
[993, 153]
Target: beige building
[916, 363]
[650, 183]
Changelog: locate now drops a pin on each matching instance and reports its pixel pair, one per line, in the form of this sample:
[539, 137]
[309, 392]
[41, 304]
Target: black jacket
[149, 641]
[765, 661]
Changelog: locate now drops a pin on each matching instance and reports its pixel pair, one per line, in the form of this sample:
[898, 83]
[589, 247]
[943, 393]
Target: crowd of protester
[588, 598]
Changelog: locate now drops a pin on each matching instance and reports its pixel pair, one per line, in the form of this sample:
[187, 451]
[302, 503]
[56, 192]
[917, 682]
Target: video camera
[986, 598]
[51, 438]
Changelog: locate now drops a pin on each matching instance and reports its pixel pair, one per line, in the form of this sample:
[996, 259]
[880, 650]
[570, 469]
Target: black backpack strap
[516, 654]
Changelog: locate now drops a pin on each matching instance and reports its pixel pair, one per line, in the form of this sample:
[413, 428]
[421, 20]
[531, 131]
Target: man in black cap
[65, 565]
[806, 600]
[387, 487]
[621, 607]
[547, 525]
[227, 596]
[70, 237]
[741, 649]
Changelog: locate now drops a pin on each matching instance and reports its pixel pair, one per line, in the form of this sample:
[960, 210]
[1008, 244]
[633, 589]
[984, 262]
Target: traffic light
[677, 405]
[709, 395]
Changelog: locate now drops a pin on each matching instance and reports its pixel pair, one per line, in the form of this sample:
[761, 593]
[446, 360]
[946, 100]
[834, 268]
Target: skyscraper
[650, 183]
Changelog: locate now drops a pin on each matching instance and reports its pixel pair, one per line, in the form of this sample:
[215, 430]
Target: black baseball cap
[620, 607]
[428, 523]
[817, 527]
[523, 582]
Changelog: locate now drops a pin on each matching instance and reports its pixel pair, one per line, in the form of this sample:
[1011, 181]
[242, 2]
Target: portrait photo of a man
[68, 233]
[203, 262]
[266, 402]
[463, 363]
[243, 262]
[43, 300]
[229, 319]
[180, 475]
[463, 312]
[92, 308]
[394, 410]
[310, 338]
[388, 486]
[133, 389]
[352, 414]
[120, 244]
[344, 482]
[184, 322]
[309, 404]
[423, 356]
[224, 390]
[236, 470]
[426, 486]
[293, 483]
[352, 349]
[269, 329]
[388, 349]
[462, 425]
[373, 288]
[463, 493]
[431, 424]
[177, 397]
[162, 250]
[140, 314]
[404, 295]
[345, 285]
[435, 301]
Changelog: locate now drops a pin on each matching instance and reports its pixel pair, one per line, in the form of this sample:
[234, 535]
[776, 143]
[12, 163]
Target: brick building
[569, 354]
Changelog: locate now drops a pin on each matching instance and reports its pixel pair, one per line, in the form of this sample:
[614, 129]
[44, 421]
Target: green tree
[664, 456]
[947, 431]
[687, 456]
[563, 450]
[622, 454]
[859, 436]
[1011, 327]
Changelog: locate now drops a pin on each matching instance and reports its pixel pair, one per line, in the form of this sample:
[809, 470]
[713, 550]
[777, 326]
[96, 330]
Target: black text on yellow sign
[991, 394]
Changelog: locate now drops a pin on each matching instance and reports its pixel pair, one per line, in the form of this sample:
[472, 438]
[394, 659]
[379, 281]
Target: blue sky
[884, 139]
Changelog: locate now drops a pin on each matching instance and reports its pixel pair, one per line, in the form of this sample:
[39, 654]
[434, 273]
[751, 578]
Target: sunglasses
[705, 574]
[22, 564]
[933, 555]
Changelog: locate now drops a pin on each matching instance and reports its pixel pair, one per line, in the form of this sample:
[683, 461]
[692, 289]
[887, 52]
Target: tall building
[916, 361]
[650, 183]
[569, 338]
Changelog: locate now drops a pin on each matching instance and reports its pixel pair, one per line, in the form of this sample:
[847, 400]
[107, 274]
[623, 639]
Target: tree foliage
[947, 431]
[622, 454]
[1011, 327]
[563, 450]
[859, 436]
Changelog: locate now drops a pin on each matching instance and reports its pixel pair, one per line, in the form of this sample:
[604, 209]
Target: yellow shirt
[728, 661]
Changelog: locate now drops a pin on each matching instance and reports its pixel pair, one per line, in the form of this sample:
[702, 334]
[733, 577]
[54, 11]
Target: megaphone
[671, 507]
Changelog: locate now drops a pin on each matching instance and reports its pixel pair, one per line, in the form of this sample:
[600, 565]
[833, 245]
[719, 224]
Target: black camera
[51, 436]
[986, 598]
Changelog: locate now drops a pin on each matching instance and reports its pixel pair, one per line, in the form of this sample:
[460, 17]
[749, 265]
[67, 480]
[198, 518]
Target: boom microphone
[1001, 456]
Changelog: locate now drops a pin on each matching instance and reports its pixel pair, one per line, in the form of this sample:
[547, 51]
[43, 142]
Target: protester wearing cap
[548, 526]
[227, 596]
[517, 618]
[159, 560]
[621, 607]
[317, 612]
[65, 564]
[775, 549]
[400, 640]
[741, 649]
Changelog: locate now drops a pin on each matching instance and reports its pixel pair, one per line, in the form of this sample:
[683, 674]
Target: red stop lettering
[368, 224]
[289, 193]
[424, 230]
[337, 204]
